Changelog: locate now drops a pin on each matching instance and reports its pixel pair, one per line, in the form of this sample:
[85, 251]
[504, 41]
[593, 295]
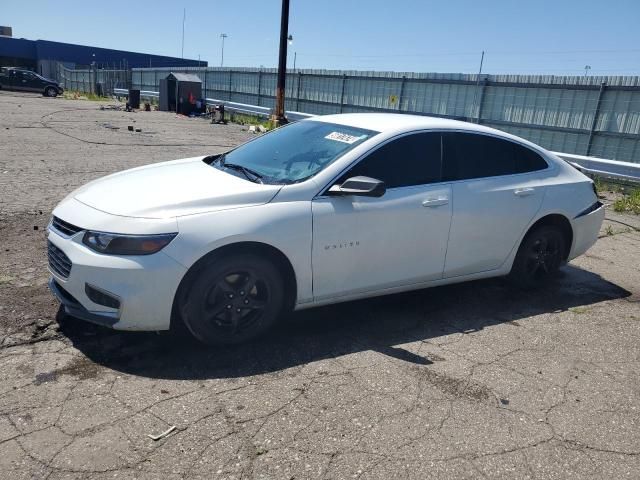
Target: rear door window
[470, 155]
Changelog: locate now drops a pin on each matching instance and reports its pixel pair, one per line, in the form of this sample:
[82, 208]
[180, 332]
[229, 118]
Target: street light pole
[222, 36]
[184, 17]
[278, 115]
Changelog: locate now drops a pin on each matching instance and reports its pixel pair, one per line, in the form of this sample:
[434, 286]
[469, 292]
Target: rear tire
[541, 254]
[232, 300]
[50, 92]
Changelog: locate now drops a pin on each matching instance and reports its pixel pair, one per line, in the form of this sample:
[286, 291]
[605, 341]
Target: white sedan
[325, 210]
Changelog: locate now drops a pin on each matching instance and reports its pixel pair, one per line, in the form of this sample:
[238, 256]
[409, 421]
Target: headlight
[116, 244]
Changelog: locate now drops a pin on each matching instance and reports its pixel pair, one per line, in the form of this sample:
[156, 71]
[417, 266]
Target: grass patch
[629, 203]
[72, 95]
[603, 186]
[579, 310]
[244, 119]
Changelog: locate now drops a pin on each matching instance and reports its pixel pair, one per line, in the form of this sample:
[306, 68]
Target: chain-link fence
[99, 81]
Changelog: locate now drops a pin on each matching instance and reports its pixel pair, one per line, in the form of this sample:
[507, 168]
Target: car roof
[395, 123]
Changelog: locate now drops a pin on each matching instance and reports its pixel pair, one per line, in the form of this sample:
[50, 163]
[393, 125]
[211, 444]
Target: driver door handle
[435, 202]
[523, 192]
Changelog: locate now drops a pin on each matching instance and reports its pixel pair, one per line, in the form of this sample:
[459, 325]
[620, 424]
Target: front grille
[64, 227]
[58, 261]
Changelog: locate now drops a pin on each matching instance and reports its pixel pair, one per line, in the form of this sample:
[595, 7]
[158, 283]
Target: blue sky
[538, 36]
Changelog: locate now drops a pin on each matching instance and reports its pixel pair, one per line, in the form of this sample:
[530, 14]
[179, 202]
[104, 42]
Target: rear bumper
[585, 231]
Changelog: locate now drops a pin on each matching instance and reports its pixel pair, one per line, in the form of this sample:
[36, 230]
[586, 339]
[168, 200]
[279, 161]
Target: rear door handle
[523, 192]
[435, 202]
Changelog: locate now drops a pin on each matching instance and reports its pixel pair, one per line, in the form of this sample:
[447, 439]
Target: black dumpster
[134, 98]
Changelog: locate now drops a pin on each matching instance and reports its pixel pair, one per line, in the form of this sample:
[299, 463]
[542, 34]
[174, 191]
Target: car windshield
[296, 152]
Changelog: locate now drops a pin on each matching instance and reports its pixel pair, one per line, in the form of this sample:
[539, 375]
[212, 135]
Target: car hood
[172, 189]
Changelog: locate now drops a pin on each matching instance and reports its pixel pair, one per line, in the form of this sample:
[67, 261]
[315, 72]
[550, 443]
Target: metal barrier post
[344, 80]
[481, 102]
[594, 121]
[298, 92]
[401, 96]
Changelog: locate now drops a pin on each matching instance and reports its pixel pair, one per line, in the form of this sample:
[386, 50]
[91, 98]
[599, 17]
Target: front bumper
[74, 308]
[145, 285]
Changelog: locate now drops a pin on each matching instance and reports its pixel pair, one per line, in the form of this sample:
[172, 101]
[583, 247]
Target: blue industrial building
[40, 55]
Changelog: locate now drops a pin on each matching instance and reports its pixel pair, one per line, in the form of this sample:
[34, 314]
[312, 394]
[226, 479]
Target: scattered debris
[155, 438]
[138, 130]
[35, 227]
[164, 391]
[262, 129]
[130, 128]
[260, 450]
[252, 128]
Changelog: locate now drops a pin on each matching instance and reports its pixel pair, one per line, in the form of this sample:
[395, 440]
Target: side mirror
[362, 186]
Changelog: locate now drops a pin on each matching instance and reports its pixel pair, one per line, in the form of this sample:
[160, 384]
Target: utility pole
[278, 115]
[222, 36]
[586, 70]
[184, 17]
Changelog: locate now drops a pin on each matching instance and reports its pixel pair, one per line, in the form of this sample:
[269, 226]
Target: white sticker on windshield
[343, 137]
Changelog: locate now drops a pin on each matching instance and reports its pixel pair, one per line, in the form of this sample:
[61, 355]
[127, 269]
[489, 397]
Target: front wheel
[539, 257]
[50, 92]
[233, 299]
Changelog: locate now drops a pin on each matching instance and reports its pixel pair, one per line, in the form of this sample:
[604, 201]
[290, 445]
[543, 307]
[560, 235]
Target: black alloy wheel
[233, 300]
[236, 301]
[539, 258]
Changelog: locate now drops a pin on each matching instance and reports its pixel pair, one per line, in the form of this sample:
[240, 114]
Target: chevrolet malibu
[321, 211]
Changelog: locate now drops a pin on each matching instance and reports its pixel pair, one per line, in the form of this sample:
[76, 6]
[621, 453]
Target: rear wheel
[232, 300]
[539, 257]
[50, 92]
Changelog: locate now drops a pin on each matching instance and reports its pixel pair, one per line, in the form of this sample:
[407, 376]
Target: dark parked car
[28, 81]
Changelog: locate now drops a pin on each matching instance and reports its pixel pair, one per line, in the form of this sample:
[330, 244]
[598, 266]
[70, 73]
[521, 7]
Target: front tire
[232, 300]
[541, 254]
[50, 92]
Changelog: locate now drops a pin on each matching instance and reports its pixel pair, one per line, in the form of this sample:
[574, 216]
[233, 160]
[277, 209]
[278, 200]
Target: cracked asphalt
[466, 381]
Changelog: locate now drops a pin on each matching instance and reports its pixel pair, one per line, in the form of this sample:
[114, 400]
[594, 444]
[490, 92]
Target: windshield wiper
[247, 172]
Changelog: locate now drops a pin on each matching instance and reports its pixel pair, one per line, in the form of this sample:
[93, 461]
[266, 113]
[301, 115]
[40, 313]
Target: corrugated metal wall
[598, 116]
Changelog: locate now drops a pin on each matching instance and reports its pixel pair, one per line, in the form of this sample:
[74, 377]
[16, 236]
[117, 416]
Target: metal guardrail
[599, 167]
[123, 92]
